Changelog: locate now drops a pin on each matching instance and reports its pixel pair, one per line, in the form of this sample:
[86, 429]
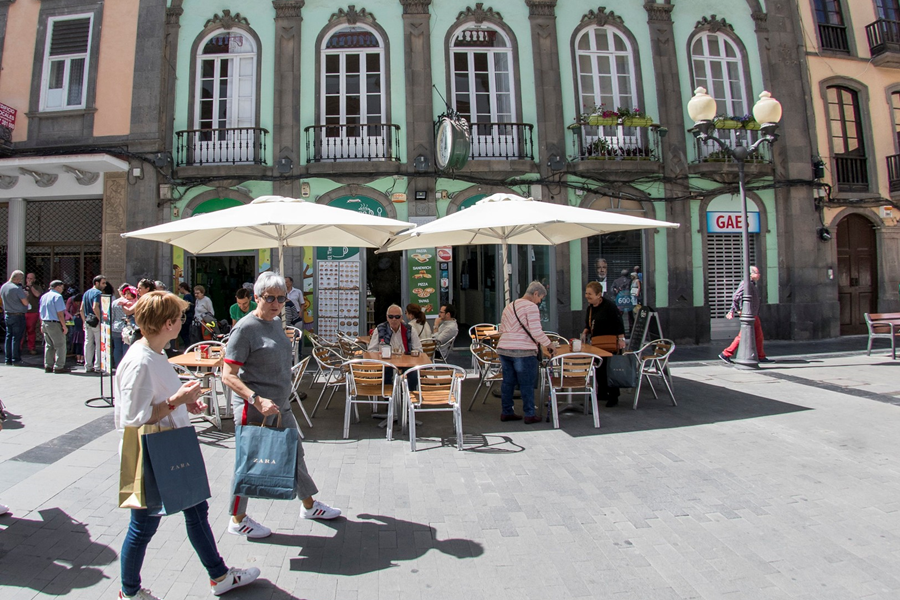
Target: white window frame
[68, 58]
[595, 56]
[726, 104]
[342, 54]
[234, 118]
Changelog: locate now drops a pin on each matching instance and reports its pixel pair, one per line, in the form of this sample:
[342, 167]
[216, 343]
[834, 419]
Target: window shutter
[723, 255]
[70, 37]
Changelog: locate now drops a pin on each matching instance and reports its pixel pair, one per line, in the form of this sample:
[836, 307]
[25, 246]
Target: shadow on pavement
[28, 559]
[12, 421]
[373, 544]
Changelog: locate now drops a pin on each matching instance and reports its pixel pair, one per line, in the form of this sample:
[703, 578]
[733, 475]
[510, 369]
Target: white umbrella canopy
[510, 219]
[273, 222]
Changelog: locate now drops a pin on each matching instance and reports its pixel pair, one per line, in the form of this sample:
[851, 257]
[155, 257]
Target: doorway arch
[857, 272]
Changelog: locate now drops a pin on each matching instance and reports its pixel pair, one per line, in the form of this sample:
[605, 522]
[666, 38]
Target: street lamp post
[767, 112]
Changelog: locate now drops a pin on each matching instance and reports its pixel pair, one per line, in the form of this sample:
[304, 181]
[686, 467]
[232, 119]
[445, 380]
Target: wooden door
[857, 274]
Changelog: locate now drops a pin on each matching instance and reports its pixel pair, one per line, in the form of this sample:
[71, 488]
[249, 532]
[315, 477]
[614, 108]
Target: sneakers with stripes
[143, 594]
[235, 578]
[320, 510]
[248, 528]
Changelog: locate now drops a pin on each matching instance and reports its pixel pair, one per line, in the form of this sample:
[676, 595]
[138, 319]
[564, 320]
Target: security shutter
[724, 257]
[70, 36]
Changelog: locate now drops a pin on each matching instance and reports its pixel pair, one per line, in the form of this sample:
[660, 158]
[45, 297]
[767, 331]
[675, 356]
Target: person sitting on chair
[394, 333]
[445, 330]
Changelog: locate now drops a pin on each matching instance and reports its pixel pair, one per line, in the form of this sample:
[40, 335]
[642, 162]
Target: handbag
[132, 483]
[174, 470]
[610, 343]
[91, 320]
[265, 461]
[622, 371]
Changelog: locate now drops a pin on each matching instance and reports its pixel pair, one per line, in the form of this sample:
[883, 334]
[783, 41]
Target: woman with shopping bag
[148, 391]
[258, 370]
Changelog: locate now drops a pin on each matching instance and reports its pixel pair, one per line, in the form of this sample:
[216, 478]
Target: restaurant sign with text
[730, 222]
[423, 281]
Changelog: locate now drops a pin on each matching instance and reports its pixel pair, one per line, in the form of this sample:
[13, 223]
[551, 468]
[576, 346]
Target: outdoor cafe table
[206, 369]
[567, 349]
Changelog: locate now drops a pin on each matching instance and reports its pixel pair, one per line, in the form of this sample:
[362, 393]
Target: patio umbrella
[273, 222]
[510, 219]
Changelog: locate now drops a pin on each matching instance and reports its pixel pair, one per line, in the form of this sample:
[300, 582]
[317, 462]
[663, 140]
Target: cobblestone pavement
[782, 483]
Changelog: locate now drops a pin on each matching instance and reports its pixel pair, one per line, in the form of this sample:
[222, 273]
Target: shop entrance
[475, 271]
[856, 272]
[383, 278]
[222, 275]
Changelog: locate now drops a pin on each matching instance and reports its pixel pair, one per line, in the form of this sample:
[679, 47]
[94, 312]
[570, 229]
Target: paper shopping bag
[265, 461]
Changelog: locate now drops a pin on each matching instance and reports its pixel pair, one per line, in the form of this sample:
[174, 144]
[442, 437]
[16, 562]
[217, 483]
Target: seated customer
[445, 330]
[395, 333]
[243, 307]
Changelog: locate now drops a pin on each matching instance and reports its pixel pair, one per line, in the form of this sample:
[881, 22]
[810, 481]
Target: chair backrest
[555, 337]
[367, 377]
[575, 369]
[485, 354]
[657, 351]
[210, 343]
[437, 385]
[297, 372]
[327, 358]
[428, 347]
[479, 332]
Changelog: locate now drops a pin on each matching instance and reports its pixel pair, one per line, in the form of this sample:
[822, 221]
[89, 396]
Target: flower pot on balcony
[599, 121]
[637, 121]
[728, 124]
[751, 125]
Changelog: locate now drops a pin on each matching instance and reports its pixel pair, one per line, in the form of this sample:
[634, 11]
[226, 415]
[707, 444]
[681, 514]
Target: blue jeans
[118, 347]
[141, 530]
[15, 333]
[521, 371]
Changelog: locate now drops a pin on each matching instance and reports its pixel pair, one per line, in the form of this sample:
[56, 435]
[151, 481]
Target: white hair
[536, 287]
[269, 280]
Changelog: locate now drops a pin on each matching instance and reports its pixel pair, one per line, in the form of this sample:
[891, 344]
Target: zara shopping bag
[265, 461]
[174, 470]
[622, 371]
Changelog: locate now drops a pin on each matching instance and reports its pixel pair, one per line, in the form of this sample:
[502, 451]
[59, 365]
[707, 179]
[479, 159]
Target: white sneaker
[3, 509]
[143, 594]
[235, 578]
[248, 528]
[320, 510]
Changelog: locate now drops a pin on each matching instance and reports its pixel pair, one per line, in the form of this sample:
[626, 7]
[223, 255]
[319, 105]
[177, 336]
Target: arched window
[847, 141]
[225, 99]
[718, 67]
[483, 89]
[353, 94]
[605, 65]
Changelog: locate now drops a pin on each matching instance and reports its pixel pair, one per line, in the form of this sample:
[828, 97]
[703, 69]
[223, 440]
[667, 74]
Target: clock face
[444, 144]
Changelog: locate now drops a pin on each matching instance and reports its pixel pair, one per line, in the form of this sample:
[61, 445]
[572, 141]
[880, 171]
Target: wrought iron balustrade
[352, 142]
[711, 152]
[509, 141]
[616, 142]
[226, 146]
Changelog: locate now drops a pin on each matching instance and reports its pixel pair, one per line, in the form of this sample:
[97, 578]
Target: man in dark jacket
[395, 333]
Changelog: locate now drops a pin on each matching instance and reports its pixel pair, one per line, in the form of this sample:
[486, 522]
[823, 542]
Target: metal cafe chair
[297, 372]
[330, 369]
[370, 382]
[571, 375]
[487, 368]
[654, 363]
[438, 389]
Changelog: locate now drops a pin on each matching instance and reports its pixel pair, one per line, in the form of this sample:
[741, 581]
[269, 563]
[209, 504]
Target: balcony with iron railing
[893, 167]
[711, 152]
[615, 142]
[226, 146]
[884, 43]
[352, 142]
[851, 173]
[833, 38]
[502, 141]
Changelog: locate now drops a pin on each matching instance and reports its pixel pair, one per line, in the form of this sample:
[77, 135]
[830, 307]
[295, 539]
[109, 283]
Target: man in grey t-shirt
[15, 305]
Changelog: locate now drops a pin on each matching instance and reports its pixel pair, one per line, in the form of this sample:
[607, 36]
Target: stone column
[115, 202]
[419, 106]
[286, 115]
[547, 84]
[168, 74]
[15, 244]
[683, 320]
[808, 305]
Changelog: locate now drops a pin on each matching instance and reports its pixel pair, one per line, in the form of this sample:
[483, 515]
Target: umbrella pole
[504, 252]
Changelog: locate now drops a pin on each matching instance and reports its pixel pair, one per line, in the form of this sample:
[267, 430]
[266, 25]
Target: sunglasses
[395, 316]
[271, 299]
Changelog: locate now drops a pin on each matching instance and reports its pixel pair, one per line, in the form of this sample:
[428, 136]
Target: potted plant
[716, 156]
[725, 122]
[750, 123]
[600, 149]
[633, 117]
[600, 117]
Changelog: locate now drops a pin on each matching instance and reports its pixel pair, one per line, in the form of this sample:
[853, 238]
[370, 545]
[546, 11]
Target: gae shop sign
[730, 222]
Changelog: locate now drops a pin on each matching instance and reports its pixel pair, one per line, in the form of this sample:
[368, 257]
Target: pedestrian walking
[52, 311]
[737, 305]
[148, 390]
[91, 314]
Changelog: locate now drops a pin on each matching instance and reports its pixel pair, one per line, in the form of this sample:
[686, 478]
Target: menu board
[337, 298]
[423, 280]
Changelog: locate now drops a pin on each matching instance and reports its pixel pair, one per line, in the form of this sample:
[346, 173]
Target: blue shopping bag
[622, 370]
[265, 461]
[174, 471]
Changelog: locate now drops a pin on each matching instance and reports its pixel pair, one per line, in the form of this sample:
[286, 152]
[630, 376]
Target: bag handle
[276, 424]
[516, 313]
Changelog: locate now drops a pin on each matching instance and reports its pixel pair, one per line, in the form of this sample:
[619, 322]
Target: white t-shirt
[145, 378]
